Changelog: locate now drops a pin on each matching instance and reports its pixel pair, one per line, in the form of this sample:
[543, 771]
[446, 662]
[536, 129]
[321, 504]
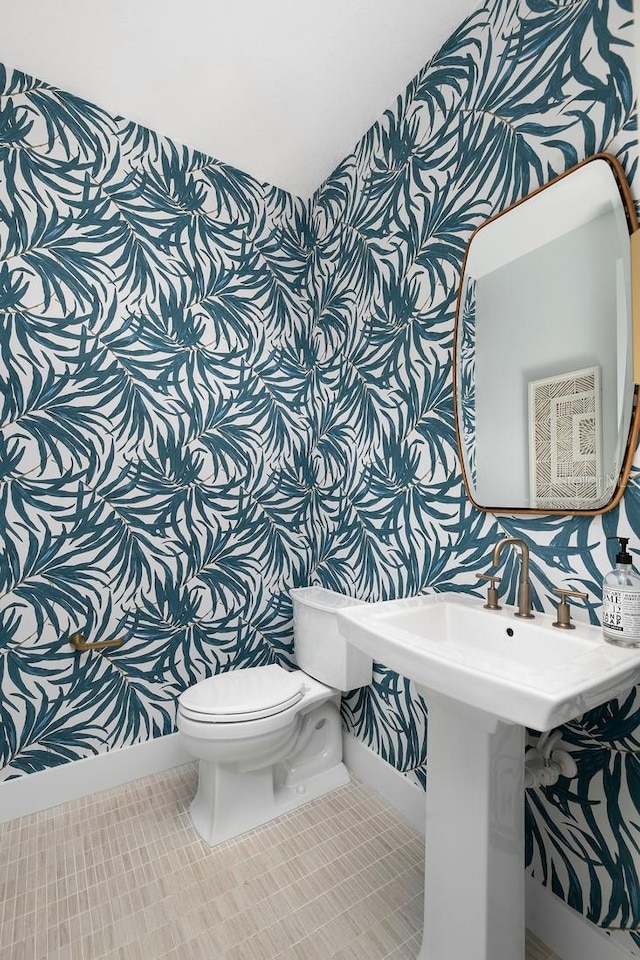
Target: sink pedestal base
[474, 862]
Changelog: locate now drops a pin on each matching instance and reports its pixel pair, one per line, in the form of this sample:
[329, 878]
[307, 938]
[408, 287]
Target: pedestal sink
[485, 676]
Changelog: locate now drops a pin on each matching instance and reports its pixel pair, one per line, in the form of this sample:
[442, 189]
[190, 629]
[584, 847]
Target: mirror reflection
[544, 369]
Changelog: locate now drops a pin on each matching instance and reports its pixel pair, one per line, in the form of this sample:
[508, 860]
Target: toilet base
[244, 783]
[227, 804]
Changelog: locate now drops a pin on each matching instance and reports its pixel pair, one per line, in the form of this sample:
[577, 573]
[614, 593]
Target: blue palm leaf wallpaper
[154, 417]
[213, 391]
[518, 94]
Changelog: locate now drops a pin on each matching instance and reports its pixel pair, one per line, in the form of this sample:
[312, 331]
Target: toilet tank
[319, 648]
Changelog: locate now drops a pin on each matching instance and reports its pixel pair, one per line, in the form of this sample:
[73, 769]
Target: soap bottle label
[621, 612]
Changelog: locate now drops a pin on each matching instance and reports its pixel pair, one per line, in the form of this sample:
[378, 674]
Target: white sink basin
[522, 671]
[486, 676]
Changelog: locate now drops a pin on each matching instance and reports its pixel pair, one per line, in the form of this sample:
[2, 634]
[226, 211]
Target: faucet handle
[563, 612]
[492, 592]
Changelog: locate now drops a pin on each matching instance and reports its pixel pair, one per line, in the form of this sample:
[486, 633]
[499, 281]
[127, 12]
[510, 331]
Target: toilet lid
[246, 694]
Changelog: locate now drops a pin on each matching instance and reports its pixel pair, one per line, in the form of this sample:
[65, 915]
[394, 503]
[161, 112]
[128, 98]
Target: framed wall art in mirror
[544, 373]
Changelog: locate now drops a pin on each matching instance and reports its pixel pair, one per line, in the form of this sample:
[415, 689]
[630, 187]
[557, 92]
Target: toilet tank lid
[323, 599]
[247, 691]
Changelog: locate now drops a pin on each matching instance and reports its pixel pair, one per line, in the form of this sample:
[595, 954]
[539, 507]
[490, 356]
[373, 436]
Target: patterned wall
[519, 93]
[154, 386]
[211, 393]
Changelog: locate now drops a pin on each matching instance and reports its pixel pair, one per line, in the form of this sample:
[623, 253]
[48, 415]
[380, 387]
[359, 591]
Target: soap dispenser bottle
[621, 601]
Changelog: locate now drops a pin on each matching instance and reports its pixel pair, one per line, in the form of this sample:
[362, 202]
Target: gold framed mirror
[545, 379]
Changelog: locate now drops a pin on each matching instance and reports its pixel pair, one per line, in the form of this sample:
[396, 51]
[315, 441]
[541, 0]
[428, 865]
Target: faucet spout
[524, 586]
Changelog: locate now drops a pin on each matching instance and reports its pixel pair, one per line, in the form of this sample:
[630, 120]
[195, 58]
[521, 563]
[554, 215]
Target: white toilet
[269, 739]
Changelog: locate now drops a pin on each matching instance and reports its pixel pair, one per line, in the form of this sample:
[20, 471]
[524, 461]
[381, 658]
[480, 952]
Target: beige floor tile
[122, 875]
[406, 951]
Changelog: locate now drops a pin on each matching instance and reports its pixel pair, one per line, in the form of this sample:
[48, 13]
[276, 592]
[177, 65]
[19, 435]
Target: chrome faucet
[524, 587]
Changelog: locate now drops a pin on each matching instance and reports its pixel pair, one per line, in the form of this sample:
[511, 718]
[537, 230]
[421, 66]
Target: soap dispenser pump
[621, 600]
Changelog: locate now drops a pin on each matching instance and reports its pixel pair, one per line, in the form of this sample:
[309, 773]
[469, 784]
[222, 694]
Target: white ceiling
[282, 89]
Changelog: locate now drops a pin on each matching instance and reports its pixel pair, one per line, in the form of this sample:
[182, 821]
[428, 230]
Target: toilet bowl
[269, 739]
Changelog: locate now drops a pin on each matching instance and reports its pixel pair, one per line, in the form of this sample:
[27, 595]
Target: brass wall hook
[78, 642]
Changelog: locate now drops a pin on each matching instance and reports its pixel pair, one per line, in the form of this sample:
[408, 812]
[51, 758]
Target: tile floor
[122, 874]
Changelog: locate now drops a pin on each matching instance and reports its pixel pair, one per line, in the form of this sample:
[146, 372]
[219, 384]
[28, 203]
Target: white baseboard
[39, 791]
[407, 798]
[561, 928]
[565, 931]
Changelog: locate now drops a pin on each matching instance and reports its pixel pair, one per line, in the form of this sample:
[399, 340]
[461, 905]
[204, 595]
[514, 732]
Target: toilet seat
[249, 694]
